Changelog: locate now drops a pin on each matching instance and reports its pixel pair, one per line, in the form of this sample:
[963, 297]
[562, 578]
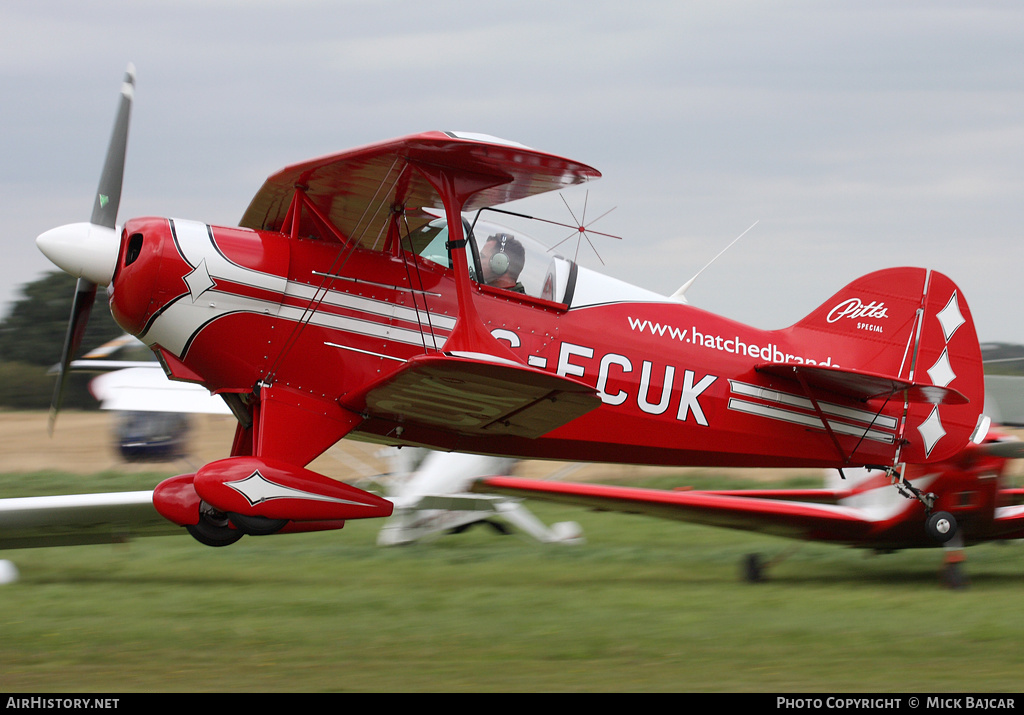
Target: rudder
[914, 325]
[948, 355]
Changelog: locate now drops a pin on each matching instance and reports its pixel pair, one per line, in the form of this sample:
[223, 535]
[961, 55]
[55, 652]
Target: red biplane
[367, 294]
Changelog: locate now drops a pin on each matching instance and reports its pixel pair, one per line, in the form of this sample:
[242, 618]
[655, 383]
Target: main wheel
[214, 530]
[941, 526]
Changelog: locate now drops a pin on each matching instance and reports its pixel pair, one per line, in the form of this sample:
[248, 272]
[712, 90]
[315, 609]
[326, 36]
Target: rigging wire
[344, 255]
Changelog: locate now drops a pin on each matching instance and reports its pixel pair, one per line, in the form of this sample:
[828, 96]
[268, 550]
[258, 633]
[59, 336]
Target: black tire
[256, 525]
[941, 526]
[213, 531]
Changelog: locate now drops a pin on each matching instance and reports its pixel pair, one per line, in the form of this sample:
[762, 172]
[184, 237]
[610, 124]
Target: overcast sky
[858, 134]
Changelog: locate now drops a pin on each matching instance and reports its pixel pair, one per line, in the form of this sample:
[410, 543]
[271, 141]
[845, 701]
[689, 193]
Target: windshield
[501, 258]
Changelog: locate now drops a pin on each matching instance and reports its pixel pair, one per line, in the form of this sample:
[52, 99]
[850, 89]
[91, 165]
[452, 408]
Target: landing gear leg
[753, 569]
[953, 572]
[941, 525]
[213, 528]
[256, 525]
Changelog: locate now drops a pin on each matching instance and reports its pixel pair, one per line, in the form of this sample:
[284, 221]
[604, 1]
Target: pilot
[502, 258]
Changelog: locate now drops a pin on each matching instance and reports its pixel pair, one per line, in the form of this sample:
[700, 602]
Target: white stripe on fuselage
[179, 322]
[787, 407]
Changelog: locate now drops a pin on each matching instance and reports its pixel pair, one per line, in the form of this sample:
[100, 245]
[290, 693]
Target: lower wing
[795, 519]
[29, 522]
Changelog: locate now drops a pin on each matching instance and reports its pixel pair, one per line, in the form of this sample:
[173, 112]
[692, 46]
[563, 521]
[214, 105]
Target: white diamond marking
[257, 489]
[198, 281]
[931, 431]
[950, 317]
[941, 372]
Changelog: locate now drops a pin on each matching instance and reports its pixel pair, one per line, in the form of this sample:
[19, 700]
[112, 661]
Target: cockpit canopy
[500, 257]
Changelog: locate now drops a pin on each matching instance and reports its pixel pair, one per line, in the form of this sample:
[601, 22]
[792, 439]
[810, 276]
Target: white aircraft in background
[431, 497]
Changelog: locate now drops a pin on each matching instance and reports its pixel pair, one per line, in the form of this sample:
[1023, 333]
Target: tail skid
[907, 338]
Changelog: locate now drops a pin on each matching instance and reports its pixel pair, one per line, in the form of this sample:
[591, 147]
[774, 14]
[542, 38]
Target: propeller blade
[85, 296]
[108, 195]
[78, 242]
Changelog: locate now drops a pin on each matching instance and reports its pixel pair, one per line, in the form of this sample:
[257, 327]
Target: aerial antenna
[678, 295]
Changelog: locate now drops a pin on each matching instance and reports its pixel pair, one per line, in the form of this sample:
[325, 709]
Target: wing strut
[824, 421]
[293, 219]
[846, 458]
[469, 337]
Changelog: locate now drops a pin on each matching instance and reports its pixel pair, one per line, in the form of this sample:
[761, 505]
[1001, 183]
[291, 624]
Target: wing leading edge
[813, 521]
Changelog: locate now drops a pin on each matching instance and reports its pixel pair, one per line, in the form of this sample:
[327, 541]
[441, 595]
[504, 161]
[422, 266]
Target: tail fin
[914, 326]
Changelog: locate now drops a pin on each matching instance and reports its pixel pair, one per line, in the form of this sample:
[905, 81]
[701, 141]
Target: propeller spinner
[89, 251]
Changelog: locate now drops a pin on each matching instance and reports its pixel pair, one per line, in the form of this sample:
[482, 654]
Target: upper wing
[28, 522]
[359, 190]
[820, 522]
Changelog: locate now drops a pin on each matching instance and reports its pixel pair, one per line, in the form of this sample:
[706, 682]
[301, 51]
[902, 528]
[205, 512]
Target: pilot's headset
[499, 260]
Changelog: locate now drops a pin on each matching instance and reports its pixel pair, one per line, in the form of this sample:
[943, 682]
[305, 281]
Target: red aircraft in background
[365, 294]
[970, 489]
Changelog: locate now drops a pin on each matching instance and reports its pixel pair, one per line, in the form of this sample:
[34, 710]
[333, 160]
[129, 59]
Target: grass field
[644, 605]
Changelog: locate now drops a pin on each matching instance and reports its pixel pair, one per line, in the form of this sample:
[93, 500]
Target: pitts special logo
[855, 309]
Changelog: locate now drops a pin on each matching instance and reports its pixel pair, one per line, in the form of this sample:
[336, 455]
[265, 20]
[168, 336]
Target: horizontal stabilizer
[459, 502]
[1007, 449]
[861, 385]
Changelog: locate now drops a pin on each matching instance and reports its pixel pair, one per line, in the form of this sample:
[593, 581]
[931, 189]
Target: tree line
[31, 340]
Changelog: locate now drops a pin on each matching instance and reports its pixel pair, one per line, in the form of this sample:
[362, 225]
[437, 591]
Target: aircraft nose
[85, 250]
